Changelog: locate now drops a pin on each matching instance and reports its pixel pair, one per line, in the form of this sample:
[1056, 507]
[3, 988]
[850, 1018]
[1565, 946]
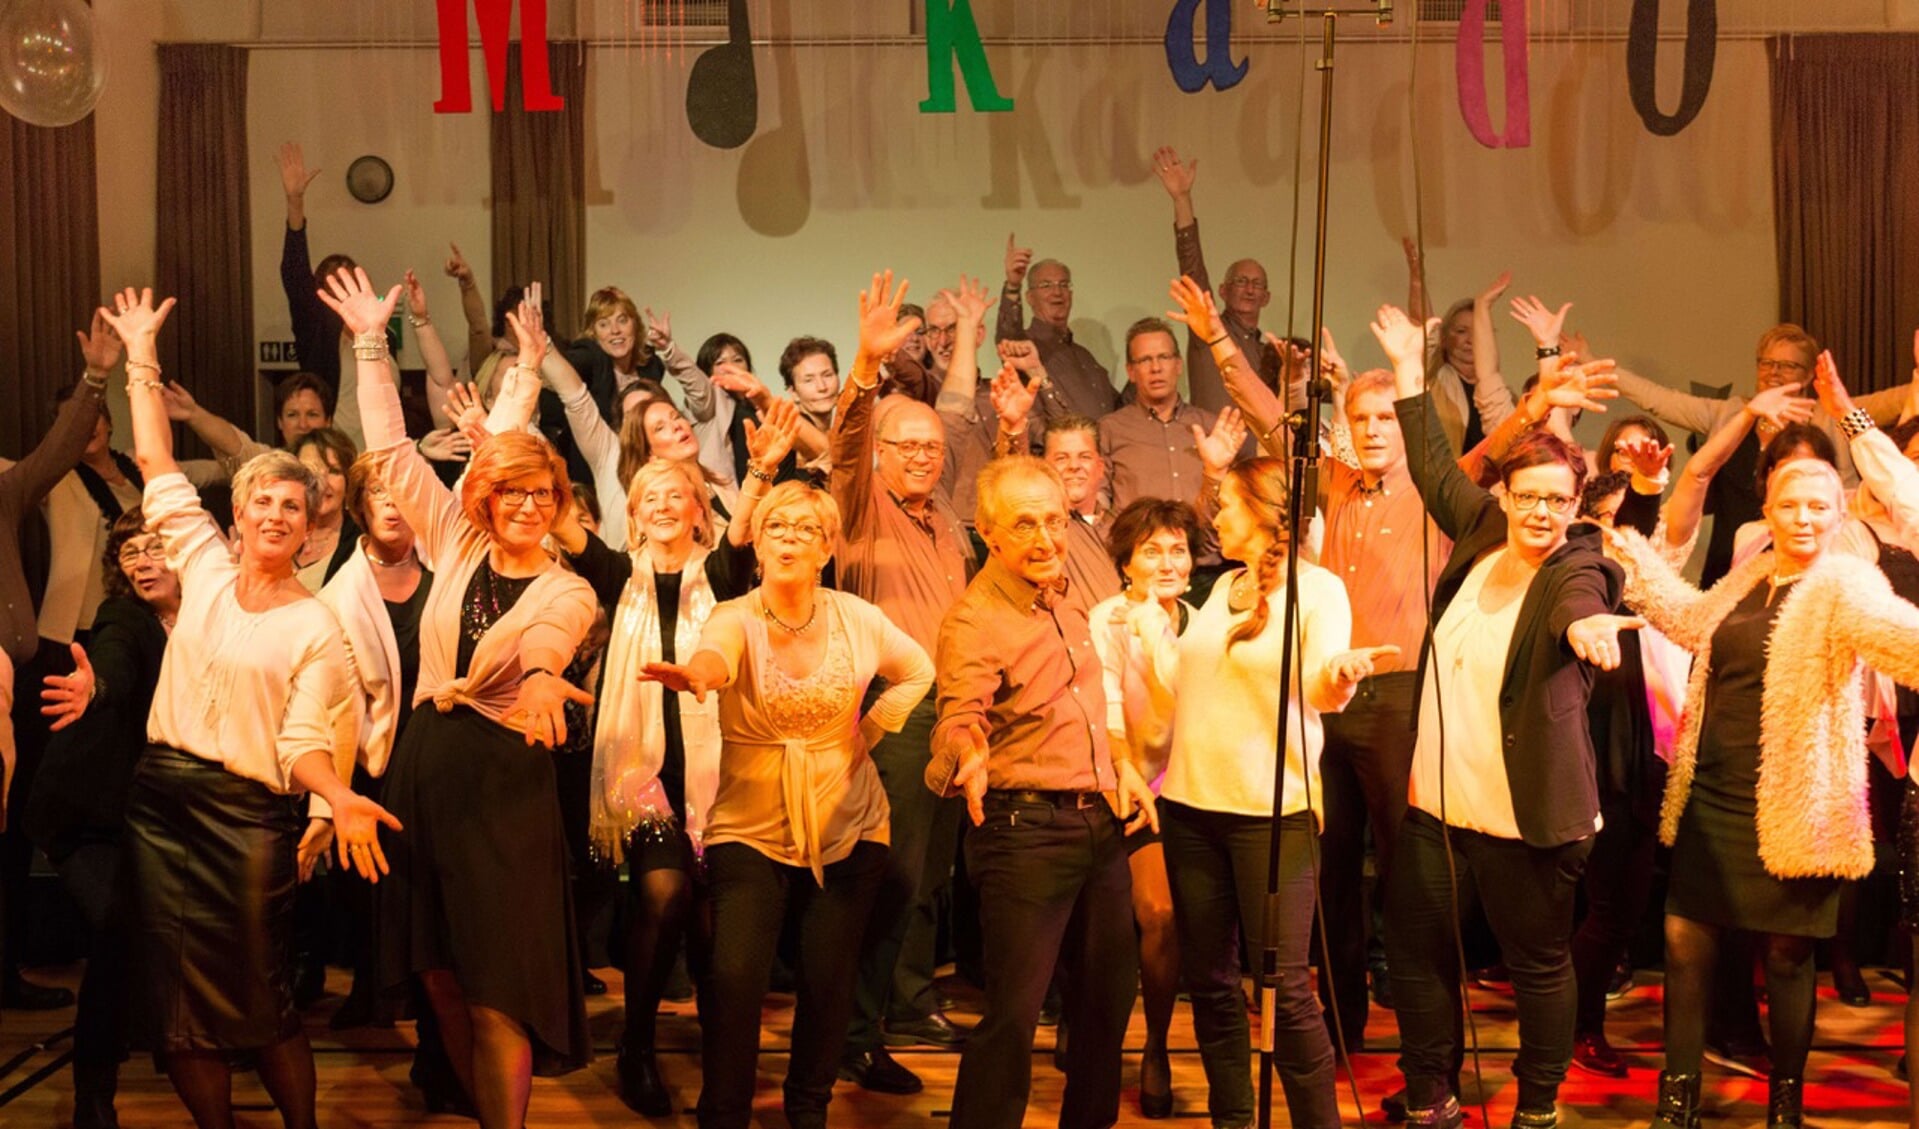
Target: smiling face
[1803, 509]
[617, 334]
[332, 481]
[816, 383]
[1028, 534]
[668, 435]
[1536, 532]
[791, 544]
[1783, 362]
[1244, 293]
[1074, 454]
[912, 450]
[1161, 566]
[1153, 365]
[1049, 287]
[302, 412]
[145, 567]
[942, 334]
[272, 523]
[522, 510]
[667, 511]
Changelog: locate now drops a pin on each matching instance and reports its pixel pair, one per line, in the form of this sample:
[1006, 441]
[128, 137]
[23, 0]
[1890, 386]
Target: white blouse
[1467, 668]
[1224, 744]
[251, 691]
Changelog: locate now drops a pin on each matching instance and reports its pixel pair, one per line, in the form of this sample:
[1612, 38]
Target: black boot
[94, 1084]
[641, 1087]
[1678, 1101]
[1785, 1103]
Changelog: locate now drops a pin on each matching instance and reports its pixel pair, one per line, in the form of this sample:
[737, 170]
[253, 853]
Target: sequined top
[806, 705]
[489, 596]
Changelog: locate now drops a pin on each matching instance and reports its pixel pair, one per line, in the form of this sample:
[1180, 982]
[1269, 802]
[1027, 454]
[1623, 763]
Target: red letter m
[456, 83]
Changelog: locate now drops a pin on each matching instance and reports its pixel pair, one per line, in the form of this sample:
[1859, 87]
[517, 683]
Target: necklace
[789, 628]
[377, 561]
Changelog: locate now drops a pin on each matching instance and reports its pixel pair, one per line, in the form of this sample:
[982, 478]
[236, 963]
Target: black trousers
[750, 895]
[1054, 889]
[1619, 876]
[1528, 895]
[1364, 771]
[91, 874]
[30, 736]
[1217, 864]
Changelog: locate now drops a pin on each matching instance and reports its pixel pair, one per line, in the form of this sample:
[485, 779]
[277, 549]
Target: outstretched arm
[1687, 506]
[1258, 403]
[135, 318]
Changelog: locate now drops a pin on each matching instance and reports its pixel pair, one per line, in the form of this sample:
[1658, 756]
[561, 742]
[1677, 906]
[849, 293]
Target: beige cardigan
[1812, 818]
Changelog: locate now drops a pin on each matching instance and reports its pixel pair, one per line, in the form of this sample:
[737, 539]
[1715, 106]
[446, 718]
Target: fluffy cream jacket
[1812, 817]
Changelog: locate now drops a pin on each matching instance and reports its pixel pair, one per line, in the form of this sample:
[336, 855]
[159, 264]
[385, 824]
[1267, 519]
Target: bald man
[1242, 295]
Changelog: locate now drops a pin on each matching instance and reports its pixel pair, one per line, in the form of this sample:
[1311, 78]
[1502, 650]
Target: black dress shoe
[22, 994]
[357, 1010]
[592, 985]
[1851, 987]
[641, 1087]
[875, 1070]
[1155, 1083]
[94, 1085]
[1593, 1054]
[933, 1031]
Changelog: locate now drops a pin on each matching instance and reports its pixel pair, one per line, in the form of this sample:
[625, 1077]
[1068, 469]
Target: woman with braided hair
[1216, 804]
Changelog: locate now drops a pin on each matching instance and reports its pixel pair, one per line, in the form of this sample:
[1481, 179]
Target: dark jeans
[1528, 894]
[1217, 865]
[1618, 885]
[1363, 773]
[30, 734]
[91, 874]
[750, 895]
[896, 977]
[1054, 889]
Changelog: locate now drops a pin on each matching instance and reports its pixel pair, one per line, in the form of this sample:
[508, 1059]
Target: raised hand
[732, 378]
[351, 295]
[356, 834]
[1021, 354]
[1498, 286]
[1648, 456]
[1545, 325]
[767, 443]
[1012, 398]
[529, 329]
[659, 329]
[541, 705]
[100, 345]
[881, 330]
[1580, 387]
[1018, 261]
[971, 777]
[1403, 339]
[1833, 396]
[66, 696]
[415, 295]
[1197, 311]
[1219, 447]
[134, 316]
[969, 302]
[457, 267]
[1332, 364]
[1780, 405]
[294, 174]
[1175, 175]
[447, 445]
[463, 406]
[180, 404]
[1350, 667]
[1595, 639]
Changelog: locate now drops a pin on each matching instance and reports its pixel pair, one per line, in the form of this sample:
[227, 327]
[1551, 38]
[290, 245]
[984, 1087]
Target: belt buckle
[1084, 800]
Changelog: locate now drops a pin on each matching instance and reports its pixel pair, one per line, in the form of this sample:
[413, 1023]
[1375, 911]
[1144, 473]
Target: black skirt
[479, 883]
[208, 881]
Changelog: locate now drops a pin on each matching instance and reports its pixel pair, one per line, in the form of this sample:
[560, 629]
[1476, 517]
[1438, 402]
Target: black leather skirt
[209, 875]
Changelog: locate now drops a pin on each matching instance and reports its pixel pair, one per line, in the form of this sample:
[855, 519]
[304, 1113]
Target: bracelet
[533, 670]
[1217, 340]
[1856, 423]
[756, 472]
[423, 320]
[149, 365]
[1544, 351]
[97, 383]
[144, 382]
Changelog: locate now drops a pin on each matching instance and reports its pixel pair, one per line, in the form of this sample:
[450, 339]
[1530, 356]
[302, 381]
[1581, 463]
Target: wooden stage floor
[363, 1073]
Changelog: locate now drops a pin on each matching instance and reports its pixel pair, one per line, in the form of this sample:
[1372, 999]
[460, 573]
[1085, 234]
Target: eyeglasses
[1766, 365]
[376, 490]
[1061, 284]
[805, 532]
[1155, 359]
[1246, 282]
[1525, 501]
[913, 448]
[943, 330]
[1028, 530]
[515, 496]
[153, 551]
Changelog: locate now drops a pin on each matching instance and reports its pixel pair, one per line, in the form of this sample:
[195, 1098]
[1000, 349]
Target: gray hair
[269, 467]
[993, 477]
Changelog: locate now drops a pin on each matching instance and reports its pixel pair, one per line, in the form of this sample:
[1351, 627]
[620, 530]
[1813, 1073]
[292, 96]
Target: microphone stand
[1303, 490]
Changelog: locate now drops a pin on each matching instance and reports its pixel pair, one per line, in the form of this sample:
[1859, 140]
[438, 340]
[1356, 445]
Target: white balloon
[51, 70]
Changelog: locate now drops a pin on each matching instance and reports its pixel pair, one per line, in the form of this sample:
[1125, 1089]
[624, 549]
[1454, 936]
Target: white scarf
[630, 743]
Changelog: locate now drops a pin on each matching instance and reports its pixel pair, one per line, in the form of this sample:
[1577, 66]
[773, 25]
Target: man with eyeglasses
[1077, 384]
[1242, 295]
[1785, 356]
[903, 549]
[1022, 735]
[1152, 443]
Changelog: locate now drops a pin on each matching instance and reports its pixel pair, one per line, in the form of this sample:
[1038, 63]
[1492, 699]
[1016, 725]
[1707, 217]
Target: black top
[1733, 499]
[316, 328]
[80, 793]
[489, 596]
[1630, 772]
[405, 620]
[1543, 697]
[1728, 768]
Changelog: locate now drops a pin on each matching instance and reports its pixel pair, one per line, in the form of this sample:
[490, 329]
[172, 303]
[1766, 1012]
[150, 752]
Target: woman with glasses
[1502, 791]
[800, 817]
[479, 906]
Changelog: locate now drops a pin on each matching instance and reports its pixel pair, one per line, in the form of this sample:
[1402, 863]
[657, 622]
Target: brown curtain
[203, 249]
[49, 270]
[1846, 197]
[539, 189]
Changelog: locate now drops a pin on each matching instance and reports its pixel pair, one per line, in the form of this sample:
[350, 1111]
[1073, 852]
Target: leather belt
[1072, 801]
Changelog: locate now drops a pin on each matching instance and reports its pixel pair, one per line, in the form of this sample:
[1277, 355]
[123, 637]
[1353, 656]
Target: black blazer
[1542, 699]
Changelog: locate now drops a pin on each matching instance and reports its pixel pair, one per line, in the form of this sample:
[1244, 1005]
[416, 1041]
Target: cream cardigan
[1812, 818]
